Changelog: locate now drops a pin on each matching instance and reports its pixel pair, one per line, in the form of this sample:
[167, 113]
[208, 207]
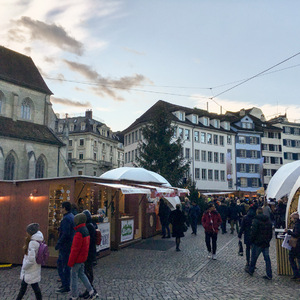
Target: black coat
[223, 211]
[261, 231]
[246, 227]
[296, 233]
[164, 213]
[234, 212]
[177, 220]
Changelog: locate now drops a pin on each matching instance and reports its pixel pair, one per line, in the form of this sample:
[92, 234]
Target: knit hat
[80, 219]
[33, 228]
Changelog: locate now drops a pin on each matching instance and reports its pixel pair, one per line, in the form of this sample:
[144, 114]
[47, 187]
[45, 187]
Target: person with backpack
[78, 256]
[64, 243]
[31, 270]
[88, 265]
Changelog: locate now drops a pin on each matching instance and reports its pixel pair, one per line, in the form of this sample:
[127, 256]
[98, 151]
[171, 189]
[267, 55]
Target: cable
[256, 75]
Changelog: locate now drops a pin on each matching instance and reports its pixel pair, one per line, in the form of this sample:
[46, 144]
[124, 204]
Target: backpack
[42, 254]
[98, 237]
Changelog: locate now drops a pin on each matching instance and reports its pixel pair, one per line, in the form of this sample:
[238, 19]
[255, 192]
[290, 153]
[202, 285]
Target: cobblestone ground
[149, 274]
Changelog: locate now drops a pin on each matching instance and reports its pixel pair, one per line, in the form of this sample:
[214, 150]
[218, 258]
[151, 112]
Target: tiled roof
[28, 131]
[19, 69]
[148, 115]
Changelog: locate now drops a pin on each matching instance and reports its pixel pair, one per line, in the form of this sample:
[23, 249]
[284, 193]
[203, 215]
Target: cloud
[134, 51]
[106, 86]
[65, 101]
[51, 33]
[270, 110]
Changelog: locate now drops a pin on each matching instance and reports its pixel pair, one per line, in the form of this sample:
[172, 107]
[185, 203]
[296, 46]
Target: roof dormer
[215, 123]
[204, 121]
[180, 115]
[193, 118]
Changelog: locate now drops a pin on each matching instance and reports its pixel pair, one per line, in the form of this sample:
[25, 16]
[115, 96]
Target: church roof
[20, 69]
[25, 130]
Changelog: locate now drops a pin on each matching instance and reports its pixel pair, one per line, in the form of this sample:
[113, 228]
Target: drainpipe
[58, 152]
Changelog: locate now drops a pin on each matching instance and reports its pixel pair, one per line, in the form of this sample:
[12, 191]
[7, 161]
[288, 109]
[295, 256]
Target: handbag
[185, 228]
[293, 242]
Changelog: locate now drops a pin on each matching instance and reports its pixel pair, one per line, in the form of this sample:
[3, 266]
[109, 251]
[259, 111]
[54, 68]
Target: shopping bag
[285, 243]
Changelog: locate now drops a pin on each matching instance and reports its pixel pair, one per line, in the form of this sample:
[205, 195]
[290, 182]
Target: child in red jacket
[79, 254]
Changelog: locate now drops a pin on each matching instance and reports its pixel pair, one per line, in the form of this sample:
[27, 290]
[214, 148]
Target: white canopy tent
[283, 180]
[173, 201]
[125, 189]
[135, 174]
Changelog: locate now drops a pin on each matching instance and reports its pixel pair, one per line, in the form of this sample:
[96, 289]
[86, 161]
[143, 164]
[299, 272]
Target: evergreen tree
[159, 151]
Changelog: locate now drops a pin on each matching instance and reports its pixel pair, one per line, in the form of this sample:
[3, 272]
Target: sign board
[127, 227]
[105, 234]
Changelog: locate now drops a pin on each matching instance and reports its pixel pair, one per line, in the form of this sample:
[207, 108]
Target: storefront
[114, 208]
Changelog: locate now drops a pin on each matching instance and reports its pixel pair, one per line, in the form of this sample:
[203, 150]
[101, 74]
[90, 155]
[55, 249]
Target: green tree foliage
[159, 151]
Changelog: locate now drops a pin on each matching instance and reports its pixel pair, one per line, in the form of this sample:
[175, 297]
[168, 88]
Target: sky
[119, 58]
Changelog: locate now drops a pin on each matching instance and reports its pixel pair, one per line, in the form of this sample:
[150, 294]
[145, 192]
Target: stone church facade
[29, 147]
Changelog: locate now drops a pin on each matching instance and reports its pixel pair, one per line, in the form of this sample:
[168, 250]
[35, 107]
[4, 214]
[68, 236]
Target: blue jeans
[63, 269]
[194, 222]
[254, 256]
[78, 271]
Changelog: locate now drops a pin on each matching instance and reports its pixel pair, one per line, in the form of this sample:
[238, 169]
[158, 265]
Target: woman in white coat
[31, 271]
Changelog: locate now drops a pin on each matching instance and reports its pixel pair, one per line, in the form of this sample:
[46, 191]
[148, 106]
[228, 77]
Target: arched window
[26, 109]
[40, 168]
[9, 167]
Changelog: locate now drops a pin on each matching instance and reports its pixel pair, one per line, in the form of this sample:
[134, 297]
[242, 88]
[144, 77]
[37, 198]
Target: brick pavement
[148, 274]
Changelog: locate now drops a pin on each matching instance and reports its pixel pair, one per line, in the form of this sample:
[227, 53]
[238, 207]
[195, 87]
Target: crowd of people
[252, 219]
[77, 252]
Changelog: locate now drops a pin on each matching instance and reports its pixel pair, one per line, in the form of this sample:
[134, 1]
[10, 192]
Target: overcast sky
[118, 58]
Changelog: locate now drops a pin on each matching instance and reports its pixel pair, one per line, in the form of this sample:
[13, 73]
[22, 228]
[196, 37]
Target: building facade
[208, 143]
[93, 148]
[29, 147]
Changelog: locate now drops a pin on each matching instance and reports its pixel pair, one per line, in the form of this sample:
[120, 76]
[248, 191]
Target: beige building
[93, 148]
[28, 146]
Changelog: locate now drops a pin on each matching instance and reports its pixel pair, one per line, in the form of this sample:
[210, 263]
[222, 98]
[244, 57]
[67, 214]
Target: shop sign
[105, 234]
[127, 227]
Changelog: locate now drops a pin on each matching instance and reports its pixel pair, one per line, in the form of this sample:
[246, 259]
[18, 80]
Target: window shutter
[293, 143]
[247, 139]
[285, 155]
[247, 168]
[284, 142]
[280, 148]
[238, 167]
[249, 183]
[248, 153]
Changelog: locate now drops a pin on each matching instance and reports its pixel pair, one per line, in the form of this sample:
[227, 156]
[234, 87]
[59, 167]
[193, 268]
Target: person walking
[31, 271]
[177, 219]
[246, 230]
[164, 214]
[261, 235]
[88, 265]
[223, 211]
[78, 256]
[234, 214]
[64, 243]
[211, 220]
[194, 214]
[186, 209]
[294, 253]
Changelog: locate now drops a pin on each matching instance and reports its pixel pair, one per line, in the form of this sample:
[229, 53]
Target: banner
[127, 227]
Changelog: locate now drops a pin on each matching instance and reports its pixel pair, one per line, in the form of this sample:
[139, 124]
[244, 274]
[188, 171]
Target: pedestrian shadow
[153, 244]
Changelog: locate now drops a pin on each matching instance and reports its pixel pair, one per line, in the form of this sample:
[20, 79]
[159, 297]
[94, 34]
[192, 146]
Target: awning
[217, 193]
[125, 189]
[182, 192]
[173, 201]
[158, 191]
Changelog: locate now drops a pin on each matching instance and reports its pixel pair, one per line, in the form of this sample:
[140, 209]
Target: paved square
[133, 273]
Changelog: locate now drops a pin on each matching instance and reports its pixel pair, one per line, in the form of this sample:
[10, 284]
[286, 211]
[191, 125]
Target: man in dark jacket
[78, 256]
[194, 214]
[164, 214]
[246, 230]
[223, 211]
[261, 235]
[64, 243]
[234, 213]
[295, 252]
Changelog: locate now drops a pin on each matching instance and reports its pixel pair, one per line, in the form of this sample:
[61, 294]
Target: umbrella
[134, 174]
[283, 180]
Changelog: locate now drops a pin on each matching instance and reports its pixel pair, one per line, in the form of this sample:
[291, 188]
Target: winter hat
[33, 228]
[80, 219]
[88, 215]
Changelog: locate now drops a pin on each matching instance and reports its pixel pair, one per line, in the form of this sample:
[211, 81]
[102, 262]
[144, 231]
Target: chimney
[89, 114]
[242, 112]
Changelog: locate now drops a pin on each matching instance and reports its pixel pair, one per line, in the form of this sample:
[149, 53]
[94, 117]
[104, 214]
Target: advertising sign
[105, 234]
[127, 227]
